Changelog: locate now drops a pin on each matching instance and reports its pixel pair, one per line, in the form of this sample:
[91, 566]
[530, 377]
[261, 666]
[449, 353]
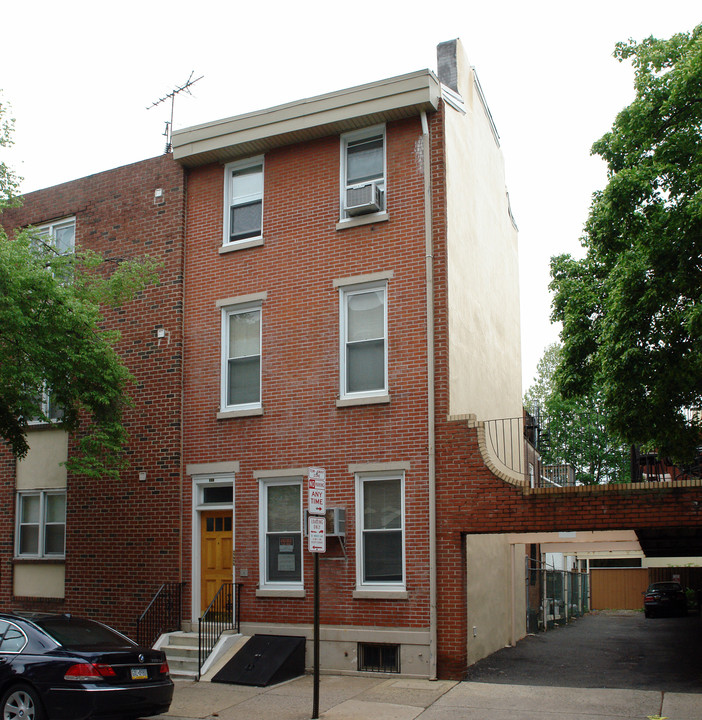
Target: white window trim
[344, 293]
[42, 494]
[52, 226]
[227, 312]
[45, 408]
[254, 240]
[264, 583]
[346, 138]
[374, 587]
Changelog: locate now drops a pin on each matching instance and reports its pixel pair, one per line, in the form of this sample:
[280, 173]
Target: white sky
[79, 76]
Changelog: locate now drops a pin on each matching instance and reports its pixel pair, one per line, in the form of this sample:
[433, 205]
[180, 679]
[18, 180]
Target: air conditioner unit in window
[336, 522]
[362, 199]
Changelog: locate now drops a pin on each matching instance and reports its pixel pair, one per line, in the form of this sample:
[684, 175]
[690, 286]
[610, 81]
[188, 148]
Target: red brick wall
[122, 537]
[303, 253]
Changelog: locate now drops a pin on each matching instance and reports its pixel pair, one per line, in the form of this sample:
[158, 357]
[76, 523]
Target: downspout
[184, 220]
[431, 396]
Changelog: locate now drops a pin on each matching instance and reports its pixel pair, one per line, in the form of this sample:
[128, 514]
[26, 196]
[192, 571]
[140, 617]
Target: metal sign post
[316, 535]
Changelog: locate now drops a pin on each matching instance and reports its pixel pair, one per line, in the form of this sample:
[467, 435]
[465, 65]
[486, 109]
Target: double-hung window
[363, 171]
[380, 513]
[241, 357]
[243, 201]
[41, 524]
[364, 367]
[61, 234]
[281, 533]
[49, 408]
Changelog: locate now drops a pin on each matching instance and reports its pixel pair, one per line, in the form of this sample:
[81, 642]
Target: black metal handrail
[223, 613]
[162, 615]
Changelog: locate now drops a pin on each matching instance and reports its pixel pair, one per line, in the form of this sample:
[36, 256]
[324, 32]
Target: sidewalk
[363, 698]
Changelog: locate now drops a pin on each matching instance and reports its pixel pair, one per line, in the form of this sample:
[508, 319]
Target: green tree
[631, 309]
[9, 182]
[574, 430]
[53, 340]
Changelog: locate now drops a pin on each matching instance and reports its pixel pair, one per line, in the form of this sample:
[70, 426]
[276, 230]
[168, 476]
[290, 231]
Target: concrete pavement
[364, 698]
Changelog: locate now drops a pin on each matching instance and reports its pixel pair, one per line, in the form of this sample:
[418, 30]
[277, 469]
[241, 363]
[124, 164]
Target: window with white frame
[380, 557]
[41, 524]
[49, 408]
[61, 234]
[241, 357]
[363, 171]
[281, 533]
[243, 200]
[364, 367]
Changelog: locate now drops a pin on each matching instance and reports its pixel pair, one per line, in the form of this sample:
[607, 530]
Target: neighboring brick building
[122, 538]
[351, 281]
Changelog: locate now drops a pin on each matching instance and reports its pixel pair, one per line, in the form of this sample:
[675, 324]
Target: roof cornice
[307, 119]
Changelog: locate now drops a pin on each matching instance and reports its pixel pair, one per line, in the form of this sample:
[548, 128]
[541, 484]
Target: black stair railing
[223, 613]
[162, 615]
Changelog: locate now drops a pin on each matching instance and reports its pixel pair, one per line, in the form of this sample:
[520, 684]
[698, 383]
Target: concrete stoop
[181, 650]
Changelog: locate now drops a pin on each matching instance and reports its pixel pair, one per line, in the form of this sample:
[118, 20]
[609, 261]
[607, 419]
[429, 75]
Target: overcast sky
[80, 75]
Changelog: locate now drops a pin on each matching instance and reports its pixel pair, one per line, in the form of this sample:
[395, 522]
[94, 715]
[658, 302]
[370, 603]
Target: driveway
[609, 649]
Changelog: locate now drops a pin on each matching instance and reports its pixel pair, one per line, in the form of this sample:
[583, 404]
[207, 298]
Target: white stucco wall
[41, 467]
[483, 271]
[495, 594]
[39, 580]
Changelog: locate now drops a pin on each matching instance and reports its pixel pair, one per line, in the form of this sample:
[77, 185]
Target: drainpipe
[431, 395]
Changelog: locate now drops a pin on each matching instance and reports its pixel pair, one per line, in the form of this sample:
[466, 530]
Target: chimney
[447, 63]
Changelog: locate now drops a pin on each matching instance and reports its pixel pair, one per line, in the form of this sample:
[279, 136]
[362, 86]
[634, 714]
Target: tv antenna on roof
[185, 87]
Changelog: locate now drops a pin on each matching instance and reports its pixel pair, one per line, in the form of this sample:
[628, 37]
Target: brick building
[351, 282]
[69, 543]
[339, 290]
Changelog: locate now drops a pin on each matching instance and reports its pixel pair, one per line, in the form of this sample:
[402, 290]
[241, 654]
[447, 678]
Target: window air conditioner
[362, 199]
[336, 522]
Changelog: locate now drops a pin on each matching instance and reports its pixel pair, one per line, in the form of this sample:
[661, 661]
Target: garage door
[617, 588]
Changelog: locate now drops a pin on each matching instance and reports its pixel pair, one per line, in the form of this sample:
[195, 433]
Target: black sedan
[665, 598]
[59, 667]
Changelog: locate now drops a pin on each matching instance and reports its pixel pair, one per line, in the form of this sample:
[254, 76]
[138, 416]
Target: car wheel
[21, 702]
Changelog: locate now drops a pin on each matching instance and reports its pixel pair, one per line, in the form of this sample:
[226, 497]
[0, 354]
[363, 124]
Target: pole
[315, 692]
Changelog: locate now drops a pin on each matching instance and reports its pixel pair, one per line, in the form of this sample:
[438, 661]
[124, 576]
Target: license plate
[139, 673]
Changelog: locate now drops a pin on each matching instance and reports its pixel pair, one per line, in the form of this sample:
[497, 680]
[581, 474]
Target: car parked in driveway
[665, 598]
[60, 667]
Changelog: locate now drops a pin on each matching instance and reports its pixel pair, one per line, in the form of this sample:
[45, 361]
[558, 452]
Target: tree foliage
[9, 182]
[53, 340]
[631, 309]
[574, 431]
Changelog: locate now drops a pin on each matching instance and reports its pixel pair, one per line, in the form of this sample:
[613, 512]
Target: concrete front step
[181, 650]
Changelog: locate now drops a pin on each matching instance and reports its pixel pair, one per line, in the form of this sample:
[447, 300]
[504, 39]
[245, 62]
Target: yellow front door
[216, 546]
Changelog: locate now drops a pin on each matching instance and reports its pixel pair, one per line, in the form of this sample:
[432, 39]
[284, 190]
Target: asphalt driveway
[609, 649]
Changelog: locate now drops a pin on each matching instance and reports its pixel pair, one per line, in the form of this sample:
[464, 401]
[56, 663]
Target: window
[380, 523]
[281, 533]
[49, 408]
[363, 341]
[12, 639]
[363, 171]
[41, 523]
[61, 234]
[243, 202]
[373, 657]
[241, 357]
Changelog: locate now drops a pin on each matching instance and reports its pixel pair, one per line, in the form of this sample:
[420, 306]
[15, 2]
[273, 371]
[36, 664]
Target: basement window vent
[374, 657]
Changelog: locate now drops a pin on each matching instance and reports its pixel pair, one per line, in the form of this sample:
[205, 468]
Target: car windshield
[73, 633]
